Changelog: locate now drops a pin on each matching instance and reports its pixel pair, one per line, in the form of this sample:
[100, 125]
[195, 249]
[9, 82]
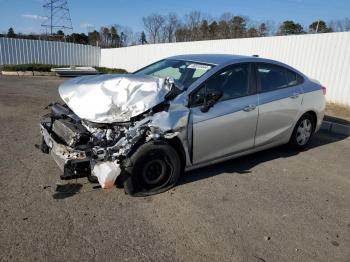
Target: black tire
[155, 168]
[296, 141]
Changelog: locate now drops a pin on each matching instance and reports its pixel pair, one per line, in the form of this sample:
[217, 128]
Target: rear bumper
[320, 117]
[63, 155]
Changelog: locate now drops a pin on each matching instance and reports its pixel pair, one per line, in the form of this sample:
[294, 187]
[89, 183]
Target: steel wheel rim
[154, 171]
[304, 131]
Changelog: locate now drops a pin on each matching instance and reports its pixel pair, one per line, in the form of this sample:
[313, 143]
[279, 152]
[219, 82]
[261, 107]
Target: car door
[280, 98]
[229, 126]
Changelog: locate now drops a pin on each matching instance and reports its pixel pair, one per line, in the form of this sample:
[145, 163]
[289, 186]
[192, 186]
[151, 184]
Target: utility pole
[58, 16]
[51, 16]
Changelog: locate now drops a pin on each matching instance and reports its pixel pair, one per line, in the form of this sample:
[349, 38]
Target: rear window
[273, 77]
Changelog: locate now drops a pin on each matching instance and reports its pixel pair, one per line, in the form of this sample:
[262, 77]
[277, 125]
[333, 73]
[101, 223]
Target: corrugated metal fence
[325, 57]
[23, 51]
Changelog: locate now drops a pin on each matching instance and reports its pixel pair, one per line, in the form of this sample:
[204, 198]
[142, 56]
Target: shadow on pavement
[338, 120]
[67, 190]
[243, 165]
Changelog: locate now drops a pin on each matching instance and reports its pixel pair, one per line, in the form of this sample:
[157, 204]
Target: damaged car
[184, 112]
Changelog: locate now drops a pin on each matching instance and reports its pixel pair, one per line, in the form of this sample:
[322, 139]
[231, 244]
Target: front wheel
[302, 132]
[156, 167]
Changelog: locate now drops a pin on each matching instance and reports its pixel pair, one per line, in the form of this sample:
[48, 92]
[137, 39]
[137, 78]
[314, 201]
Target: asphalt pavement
[276, 205]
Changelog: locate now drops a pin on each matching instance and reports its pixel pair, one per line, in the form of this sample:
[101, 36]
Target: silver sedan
[184, 112]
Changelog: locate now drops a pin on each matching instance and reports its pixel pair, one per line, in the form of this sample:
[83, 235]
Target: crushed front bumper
[66, 157]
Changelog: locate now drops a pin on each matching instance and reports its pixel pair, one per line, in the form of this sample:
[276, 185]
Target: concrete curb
[27, 73]
[336, 128]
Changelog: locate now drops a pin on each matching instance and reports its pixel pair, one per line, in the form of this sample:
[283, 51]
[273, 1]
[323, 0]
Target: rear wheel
[156, 168]
[302, 132]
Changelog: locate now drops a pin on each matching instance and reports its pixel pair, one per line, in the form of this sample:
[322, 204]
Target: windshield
[184, 72]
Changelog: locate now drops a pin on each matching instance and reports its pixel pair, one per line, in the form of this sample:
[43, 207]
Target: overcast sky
[27, 15]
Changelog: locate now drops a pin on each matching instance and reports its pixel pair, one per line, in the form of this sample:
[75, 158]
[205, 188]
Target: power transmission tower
[58, 16]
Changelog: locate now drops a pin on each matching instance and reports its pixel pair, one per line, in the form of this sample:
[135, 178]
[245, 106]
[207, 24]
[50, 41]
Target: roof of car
[225, 59]
[215, 59]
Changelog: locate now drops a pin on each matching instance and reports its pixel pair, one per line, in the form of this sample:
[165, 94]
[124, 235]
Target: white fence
[325, 57]
[22, 51]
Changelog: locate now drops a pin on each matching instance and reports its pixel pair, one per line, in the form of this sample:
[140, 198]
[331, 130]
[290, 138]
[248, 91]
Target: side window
[233, 82]
[293, 78]
[274, 77]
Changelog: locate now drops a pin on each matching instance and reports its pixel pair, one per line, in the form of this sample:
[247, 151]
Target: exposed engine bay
[106, 118]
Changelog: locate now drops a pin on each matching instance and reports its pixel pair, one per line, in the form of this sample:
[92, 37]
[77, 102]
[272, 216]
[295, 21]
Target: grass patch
[30, 67]
[106, 70]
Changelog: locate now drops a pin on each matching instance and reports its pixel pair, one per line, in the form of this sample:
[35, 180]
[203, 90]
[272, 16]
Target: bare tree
[128, 35]
[193, 19]
[132, 38]
[341, 25]
[227, 17]
[171, 25]
[105, 36]
[193, 22]
[271, 27]
[153, 25]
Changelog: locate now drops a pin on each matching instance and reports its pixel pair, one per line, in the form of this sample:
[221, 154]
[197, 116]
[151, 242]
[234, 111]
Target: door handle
[294, 96]
[249, 108]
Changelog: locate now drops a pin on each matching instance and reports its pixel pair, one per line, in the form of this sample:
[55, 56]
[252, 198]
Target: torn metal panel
[175, 119]
[69, 132]
[113, 98]
[99, 119]
[61, 153]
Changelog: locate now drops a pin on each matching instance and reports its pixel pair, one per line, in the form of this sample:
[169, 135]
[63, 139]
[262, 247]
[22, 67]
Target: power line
[58, 16]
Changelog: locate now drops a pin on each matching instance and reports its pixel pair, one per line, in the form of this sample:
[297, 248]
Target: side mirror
[210, 99]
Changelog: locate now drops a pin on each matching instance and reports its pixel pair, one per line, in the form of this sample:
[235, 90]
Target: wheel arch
[314, 117]
[177, 145]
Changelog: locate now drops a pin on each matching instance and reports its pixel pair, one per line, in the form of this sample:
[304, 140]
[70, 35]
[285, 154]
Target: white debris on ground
[106, 173]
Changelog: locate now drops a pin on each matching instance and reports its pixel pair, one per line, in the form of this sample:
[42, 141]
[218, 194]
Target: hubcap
[154, 171]
[304, 132]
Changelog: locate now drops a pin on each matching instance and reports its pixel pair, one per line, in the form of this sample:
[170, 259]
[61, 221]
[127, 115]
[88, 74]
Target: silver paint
[113, 98]
[226, 131]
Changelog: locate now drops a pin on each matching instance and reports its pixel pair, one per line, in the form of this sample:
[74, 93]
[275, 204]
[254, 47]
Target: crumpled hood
[112, 98]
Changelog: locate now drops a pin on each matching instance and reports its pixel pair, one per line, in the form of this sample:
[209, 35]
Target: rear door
[280, 98]
[229, 126]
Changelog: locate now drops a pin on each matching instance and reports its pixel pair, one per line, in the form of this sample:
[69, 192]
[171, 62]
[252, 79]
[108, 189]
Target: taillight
[324, 90]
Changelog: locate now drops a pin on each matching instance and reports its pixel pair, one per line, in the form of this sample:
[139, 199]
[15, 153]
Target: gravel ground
[276, 205]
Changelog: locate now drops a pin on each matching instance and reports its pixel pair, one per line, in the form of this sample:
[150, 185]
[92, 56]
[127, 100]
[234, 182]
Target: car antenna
[255, 55]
